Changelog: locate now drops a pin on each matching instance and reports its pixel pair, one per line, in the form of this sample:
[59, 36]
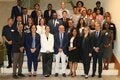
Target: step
[80, 65]
[79, 71]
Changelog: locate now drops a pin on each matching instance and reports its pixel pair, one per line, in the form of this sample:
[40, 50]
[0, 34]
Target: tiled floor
[40, 77]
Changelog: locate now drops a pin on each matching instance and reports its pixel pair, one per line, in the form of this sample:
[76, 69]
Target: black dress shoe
[21, 75]
[15, 77]
[9, 66]
[64, 75]
[99, 76]
[56, 74]
[93, 75]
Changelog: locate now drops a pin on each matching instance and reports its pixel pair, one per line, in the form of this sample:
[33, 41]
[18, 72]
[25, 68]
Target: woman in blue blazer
[32, 45]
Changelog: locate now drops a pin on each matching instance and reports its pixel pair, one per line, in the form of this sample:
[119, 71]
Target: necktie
[97, 34]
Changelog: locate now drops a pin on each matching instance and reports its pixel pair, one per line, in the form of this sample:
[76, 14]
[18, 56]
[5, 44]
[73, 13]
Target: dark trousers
[86, 64]
[32, 58]
[97, 57]
[17, 62]
[47, 59]
[9, 53]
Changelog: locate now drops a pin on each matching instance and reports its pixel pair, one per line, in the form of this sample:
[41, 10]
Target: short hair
[36, 4]
[98, 2]
[80, 2]
[64, 11]
[49, 4]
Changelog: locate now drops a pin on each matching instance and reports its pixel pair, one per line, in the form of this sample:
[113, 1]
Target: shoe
[64, 75]
[35, 74]
[47, 75]
[99, 76]
[15, 77]
[56, 74]
[30, 74]
[93, 75]
[9, 66]
[21, 75]
[86, 76]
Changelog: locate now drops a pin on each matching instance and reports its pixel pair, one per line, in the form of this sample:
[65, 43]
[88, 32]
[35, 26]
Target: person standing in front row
[7, 33]
[32, 46]
[86, 50]
[47, 49]
[73, 51]
[60, 47]
[18, 51]
[98, 45]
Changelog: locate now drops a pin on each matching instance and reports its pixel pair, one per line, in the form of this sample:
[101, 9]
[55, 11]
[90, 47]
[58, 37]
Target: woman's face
[29, 20]
[81, 21]
[74, 32]
[33, 29]
[106, 26]
[47, 29]
[42, 21]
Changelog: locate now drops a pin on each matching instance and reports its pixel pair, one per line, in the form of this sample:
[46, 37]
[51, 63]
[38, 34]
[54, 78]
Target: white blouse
[71, 41]
[40, 29]
[47, 44]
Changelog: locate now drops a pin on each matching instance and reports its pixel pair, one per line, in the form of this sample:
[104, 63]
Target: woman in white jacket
[47, 49]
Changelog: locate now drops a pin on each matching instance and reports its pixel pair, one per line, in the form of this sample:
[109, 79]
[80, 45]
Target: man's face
[49, 7]
[19, 2]
[54, 16]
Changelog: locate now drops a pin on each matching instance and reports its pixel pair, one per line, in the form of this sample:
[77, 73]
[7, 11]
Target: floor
[40, 77]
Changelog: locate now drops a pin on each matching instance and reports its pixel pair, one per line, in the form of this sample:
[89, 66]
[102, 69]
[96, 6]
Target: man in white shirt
[63, 8]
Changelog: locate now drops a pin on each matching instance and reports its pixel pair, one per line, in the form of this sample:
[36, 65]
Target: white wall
[113, 7]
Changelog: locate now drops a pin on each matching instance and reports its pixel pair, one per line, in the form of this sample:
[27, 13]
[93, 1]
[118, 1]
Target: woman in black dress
[86, 50]
[73, 48]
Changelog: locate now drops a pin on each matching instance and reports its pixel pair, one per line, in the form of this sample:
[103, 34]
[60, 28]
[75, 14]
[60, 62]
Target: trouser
[63, 61]
[86, 64]
[17, 62]
[47, 59]
[32, 58]
[9, 53]
[97, 57]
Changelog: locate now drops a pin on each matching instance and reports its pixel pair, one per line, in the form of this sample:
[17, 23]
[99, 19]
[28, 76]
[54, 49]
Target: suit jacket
[113, 28]
[16, 12]
[98, 42]
[86, 45]
[34, 15]
[46, 15]
[76, 43]
[65, 23]
[28, 43]
[54, 28]
[18, 41]
[101, 10]
[23, 19]
[57, 43]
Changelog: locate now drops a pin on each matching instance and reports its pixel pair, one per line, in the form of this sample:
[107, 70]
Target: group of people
[81, 36]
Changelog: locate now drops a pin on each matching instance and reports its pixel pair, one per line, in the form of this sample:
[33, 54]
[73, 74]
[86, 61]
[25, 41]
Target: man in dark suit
[48, 13]
[60, 49]
[64, 19]
[34, 12]
[25, 16]
[98, 44]
[98, 7]
[18, 21]
[7, 33]
[54, 23]
[18, 51]
[17, 10]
